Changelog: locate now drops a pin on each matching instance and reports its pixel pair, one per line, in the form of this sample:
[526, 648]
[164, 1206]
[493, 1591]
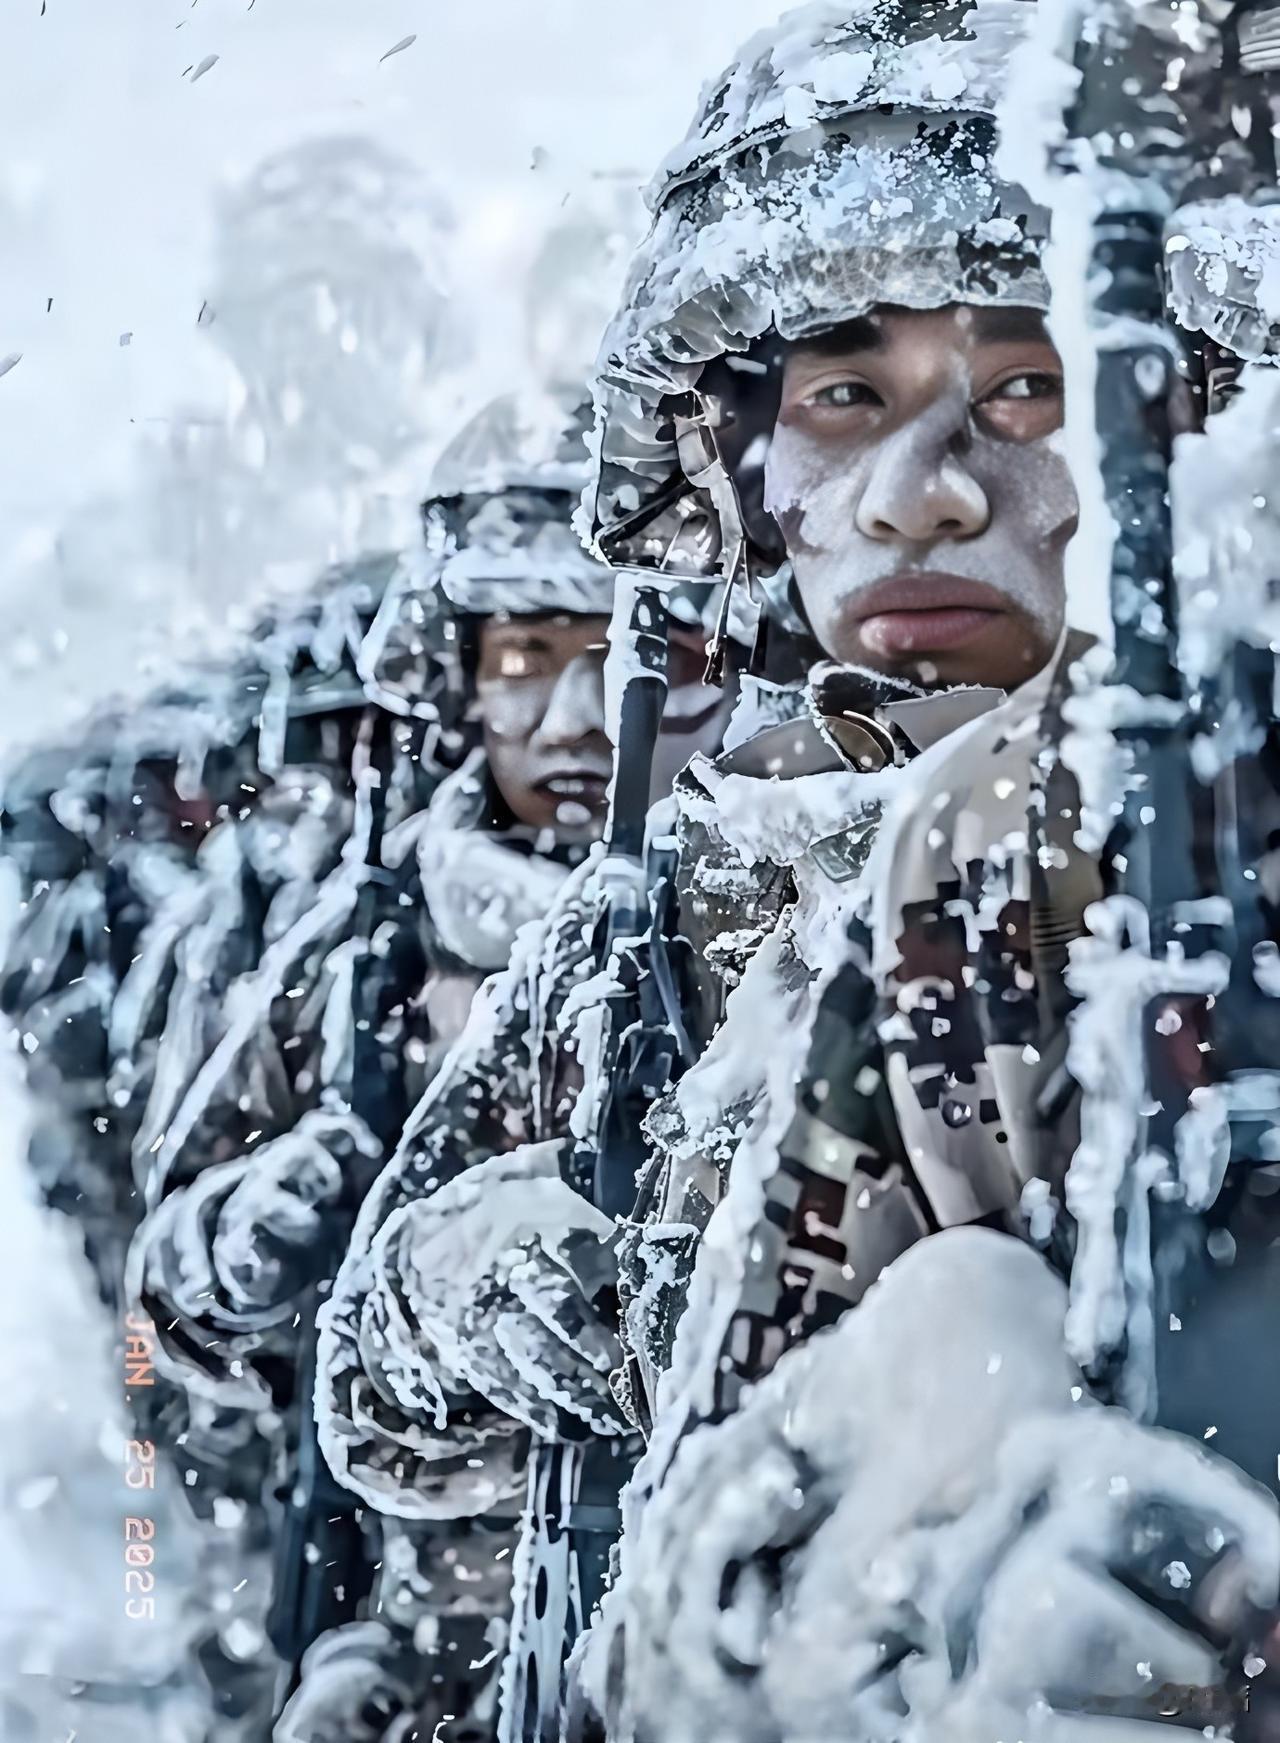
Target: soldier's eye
[1035, 384]
[841, 394]
[1024, 407]
[518, 662]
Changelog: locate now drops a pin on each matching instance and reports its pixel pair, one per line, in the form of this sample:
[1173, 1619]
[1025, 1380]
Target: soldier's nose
[576, 707]
[920, 488]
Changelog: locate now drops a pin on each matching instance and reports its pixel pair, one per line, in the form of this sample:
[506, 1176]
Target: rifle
[1157, 121]
[1153, 128]
[575, 1486]
[323, 1564]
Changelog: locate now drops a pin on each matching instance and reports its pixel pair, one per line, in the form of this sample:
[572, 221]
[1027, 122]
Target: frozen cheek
[1035, 510]
[814, 499]
[511, 711]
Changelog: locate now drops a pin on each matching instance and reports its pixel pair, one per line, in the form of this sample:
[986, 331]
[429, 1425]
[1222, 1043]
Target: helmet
[498, 523]
[844, 160]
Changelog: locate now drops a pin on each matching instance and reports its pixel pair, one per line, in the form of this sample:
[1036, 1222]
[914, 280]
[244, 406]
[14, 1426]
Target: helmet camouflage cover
[498, 522]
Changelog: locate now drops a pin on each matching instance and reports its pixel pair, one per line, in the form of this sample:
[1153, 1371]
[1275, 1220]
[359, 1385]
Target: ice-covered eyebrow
[862, 334]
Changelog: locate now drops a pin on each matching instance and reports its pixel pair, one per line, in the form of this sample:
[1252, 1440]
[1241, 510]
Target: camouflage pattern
[426, 1407]
[936, 1103]
[764, 927]
[160, 873]
[933, 1092]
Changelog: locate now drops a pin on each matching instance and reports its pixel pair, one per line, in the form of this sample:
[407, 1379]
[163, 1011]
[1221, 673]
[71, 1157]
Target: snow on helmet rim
[835, 58]
[498, 521]
[843, 162]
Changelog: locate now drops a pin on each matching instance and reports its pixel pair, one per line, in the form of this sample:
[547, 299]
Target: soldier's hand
[232, 1252]
[501, 1283]
[919, 1526]
[277, 1227]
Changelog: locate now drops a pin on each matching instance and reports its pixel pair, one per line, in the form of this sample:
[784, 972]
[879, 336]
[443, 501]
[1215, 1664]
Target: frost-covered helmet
[843, 161]
[499, 519]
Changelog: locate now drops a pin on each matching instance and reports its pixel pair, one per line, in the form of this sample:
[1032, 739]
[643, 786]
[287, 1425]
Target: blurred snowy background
[262, 256]
[260, 259]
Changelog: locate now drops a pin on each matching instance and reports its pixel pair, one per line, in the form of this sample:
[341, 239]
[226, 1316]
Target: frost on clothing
[912, 1530]
[108, 846]
[389, 894]
[233, 1252]
[260, 970]
[913, 1110]
[148, 872]
[955, 1074]
[473, 1318]
[772, 836]
[401, 1417]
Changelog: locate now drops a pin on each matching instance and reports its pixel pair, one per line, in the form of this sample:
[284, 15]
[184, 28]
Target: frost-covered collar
[803, 781]
[479, 888]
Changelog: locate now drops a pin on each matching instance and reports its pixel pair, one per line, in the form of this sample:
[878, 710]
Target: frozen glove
[367, 1683]
[496, 1284]
[233, 1253]
[920, 1527]
[360, 1684]
[472, 1319]
[281, 1228]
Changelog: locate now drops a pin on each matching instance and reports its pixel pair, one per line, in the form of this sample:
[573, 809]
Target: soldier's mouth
[587, 790]
[926, 612]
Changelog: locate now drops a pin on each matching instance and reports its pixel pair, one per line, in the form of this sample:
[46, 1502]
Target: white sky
[111, 160]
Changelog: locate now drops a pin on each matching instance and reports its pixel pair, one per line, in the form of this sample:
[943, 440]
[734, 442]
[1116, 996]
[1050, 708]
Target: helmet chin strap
[703, 462]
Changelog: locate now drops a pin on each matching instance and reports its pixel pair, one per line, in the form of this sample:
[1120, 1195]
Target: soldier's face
[540, 695]
[540, 691]
[917, 476]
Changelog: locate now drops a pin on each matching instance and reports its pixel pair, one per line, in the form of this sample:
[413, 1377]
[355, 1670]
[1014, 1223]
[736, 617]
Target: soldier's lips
[585, 789]
[925, 612]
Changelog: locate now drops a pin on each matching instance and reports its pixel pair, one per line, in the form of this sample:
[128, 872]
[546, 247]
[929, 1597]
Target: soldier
[837, 327]
[963, 336]
[393, 913]
[153, 871]
[474, 1307]
[872, 417]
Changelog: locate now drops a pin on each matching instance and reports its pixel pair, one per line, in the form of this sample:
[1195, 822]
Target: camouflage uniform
[204, 833]
[914, 1081]
[425, 1405]
[421, 1413]
[934, 1101]
[921, 1103]
[761, 912]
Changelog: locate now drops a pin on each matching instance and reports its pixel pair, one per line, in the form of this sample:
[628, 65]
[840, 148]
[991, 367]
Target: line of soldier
[652, 1328]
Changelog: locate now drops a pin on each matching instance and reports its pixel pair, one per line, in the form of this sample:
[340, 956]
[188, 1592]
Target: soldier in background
[153, 873]
[309, 1064]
